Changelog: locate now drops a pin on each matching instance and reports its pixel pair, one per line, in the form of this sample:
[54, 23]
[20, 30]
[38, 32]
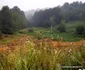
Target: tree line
[12, 20]
[68, 12]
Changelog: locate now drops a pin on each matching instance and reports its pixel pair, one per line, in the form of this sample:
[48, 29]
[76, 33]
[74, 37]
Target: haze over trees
[29, 14]
[69, 12]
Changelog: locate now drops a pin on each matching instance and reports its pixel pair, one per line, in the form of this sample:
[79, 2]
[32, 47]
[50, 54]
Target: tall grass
[31, 56]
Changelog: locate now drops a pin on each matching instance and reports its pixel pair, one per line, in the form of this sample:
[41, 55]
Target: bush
[62, 28]
[30, 30]
[84, 33]
[80, 29]
[0, 34]
[21, 32]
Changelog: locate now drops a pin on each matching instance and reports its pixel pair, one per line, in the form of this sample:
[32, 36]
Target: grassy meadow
[35, 50]
[33, 56]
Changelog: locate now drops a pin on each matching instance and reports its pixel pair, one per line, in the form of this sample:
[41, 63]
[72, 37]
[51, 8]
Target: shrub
[62, 28]
[84, 33]
[21, 32]
[38, 35]
[80, 29]
[30, 30]
[0, 34]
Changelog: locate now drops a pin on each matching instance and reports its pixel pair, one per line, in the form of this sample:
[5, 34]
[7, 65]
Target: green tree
[41, 18]
[7, 24]
[12, 20]
[62, 26]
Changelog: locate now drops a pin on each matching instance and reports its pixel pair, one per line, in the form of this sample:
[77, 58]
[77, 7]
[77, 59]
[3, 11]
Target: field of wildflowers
[44, 54]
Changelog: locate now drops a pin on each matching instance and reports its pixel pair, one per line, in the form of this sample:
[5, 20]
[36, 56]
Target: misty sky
[34, 4]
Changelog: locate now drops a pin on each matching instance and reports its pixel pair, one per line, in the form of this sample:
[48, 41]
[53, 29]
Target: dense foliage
[68, 12]
[80, 29]
[62, 26]
[12, 20]
[42, 18]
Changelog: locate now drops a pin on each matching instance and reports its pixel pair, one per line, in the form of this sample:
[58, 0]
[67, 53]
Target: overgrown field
[34, 54]
[38, 49]
[41, 55]
[70, 34]
[45, 33]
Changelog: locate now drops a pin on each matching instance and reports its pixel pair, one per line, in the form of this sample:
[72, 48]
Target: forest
[12, 20]
[68, 12]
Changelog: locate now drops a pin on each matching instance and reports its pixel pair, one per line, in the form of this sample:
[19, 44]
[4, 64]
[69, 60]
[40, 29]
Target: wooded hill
[68, 12]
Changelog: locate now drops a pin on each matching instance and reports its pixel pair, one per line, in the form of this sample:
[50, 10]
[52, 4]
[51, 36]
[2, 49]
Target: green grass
[69, 35]
[45, 32]
[65, 36]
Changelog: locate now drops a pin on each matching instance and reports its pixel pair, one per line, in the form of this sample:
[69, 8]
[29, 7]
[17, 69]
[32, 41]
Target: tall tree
[7, 24]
